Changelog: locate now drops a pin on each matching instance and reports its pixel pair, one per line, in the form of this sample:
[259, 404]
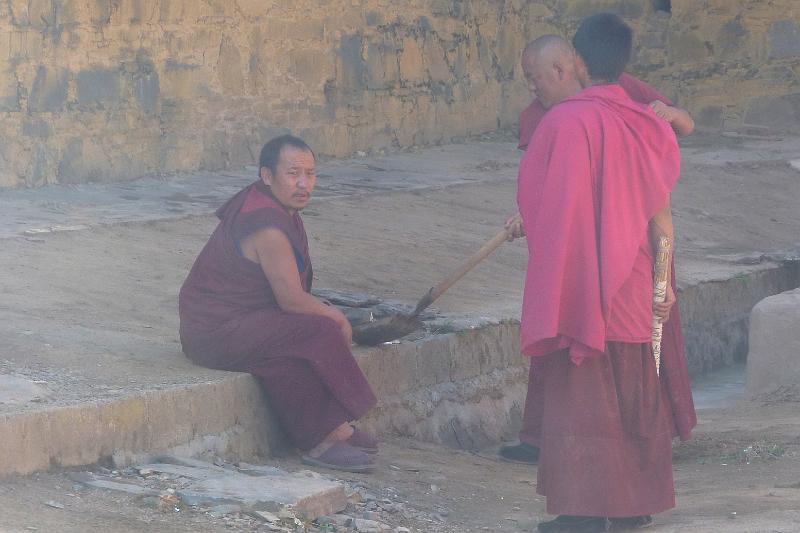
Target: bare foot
[340, 434]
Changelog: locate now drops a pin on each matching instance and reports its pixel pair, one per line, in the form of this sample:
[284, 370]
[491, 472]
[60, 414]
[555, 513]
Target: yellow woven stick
[660, 277]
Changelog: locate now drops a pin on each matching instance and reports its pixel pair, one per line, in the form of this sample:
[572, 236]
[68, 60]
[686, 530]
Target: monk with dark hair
[553, 73]
[593, 192]
[246, 306]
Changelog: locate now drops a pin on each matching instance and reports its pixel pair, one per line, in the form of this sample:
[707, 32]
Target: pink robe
[598, 167]
[675, 372]
[230, 319]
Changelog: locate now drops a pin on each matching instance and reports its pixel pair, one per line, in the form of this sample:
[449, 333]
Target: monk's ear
[580, 68]
[559, 69]
[266, 175]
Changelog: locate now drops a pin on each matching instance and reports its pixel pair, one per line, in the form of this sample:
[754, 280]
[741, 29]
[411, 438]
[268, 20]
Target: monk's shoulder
[572, 115]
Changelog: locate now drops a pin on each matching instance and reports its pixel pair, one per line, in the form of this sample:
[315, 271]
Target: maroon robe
[598, 168]
[230, 320]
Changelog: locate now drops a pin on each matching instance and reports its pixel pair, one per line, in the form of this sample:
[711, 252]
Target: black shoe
[520, 453]
[573, 524]
[630, 523]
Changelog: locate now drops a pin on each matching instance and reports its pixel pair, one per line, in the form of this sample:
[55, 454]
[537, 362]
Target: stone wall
[96, 90]
[735, 64]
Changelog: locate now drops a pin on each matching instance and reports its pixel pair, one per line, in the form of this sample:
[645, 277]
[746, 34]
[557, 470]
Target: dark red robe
[230, 320]
[598, 167]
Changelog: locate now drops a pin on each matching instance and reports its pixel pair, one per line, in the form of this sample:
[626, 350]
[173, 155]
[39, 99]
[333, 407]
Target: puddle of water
[721, 388]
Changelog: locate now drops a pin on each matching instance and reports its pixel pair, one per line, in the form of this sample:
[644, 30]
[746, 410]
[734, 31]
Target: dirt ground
[92, 314]
[741, 473]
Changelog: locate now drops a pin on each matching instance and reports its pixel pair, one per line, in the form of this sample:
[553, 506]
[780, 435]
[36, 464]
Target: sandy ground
[92, 314]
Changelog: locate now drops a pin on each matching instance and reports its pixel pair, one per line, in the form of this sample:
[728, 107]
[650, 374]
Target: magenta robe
[231, 320]
[598, 167]
[673, 356]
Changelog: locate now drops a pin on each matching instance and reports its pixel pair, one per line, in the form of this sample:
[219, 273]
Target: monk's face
[543, 79]
[294, 178]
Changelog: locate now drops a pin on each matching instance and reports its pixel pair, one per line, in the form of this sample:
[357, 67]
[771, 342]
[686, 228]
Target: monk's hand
[347, 332]
[514, 228]
[664, 111]
[344, 326]
[662, 310]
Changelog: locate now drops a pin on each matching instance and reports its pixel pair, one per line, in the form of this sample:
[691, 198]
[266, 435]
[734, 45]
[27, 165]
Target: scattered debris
[264, 497]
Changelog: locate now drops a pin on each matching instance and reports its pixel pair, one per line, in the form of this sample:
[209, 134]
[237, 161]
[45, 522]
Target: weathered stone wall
[96, 90]
[112, 89]
[735, 64]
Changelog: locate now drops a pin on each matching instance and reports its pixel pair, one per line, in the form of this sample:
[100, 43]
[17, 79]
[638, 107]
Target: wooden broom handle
[437, 290]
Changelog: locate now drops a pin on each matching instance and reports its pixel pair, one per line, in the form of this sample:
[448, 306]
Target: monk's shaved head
[549, 45]
[549, 67]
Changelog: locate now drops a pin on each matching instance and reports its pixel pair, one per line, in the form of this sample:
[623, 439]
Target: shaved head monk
[593, 192]
[570, 74]
[246, 306]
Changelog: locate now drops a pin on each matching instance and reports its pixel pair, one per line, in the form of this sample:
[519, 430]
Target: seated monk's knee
[324, 327]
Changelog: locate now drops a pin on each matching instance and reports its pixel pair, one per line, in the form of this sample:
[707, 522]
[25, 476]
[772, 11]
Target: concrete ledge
[458, 389]
[463, 389]
[716, 314]
[227, 416]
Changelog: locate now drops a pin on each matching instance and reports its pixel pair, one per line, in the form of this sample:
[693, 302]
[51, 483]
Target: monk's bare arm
[271, 249]
[680, 119]
[661, 226]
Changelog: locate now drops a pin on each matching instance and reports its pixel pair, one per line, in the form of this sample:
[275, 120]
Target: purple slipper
[341, 456]
[363, 441]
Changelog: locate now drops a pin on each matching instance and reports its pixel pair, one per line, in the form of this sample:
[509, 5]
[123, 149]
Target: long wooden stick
[437, 290]
[660, 280]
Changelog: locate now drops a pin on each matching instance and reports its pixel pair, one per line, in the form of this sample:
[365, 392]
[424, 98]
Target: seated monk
[246, 306]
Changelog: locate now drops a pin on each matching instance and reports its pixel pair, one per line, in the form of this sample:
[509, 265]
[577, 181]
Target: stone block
[711, 117]
[438, 69]
[411, 62]
[309, 497]
[627, 9]
[433, 360]
[390, 368]
[779, 113]
[9, 93]
[353, 76]
[687, 48]
[25, 45]
[70, 166]
[374, 18]
[98, 87]
[375, 66]
[784, 38]
[773, 361]
[49, 90]
[253, 8]
[34, 127]
[147, 89]
[311, 67]
[229, 68]
[180, 81]
[40, 170]
[731, 38]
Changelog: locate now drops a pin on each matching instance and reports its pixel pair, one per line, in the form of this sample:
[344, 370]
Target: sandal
[341, 456]
[573, 524]
[630, 522]
[521, 453]
[363, 441]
